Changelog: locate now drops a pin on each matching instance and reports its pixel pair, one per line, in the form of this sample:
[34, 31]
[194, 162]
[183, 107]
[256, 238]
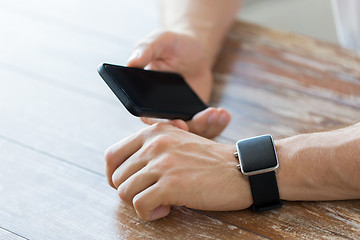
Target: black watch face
[257, 153]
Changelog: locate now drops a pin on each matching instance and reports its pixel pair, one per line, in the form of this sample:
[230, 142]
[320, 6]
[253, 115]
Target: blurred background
[308, 17]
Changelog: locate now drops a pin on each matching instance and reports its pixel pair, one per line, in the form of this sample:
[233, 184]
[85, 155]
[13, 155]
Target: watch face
[256, 154]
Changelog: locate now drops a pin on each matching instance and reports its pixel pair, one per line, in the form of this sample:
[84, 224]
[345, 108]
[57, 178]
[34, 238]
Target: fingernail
[213, 118]
[223, 119]
[136, 54]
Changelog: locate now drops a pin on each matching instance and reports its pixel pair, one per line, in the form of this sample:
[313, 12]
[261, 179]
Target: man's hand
[163, 166]
[208, 123]
[183, 54]
[175, 52]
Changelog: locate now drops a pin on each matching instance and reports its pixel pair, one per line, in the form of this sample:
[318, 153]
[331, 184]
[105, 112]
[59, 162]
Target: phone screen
[152, 93]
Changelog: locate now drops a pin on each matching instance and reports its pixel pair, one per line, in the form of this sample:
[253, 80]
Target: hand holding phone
[155, 94]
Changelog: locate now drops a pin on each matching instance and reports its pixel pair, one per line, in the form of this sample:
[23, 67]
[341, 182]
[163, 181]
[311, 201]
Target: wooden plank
[54, 73]
[285, 84]
[305, 220]
[45, 199]
[69, 126]
[6, 235]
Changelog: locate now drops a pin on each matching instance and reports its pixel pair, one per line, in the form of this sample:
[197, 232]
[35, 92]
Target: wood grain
[54, 73]
[305, 220]
[46, 199]
[6, 235]
[48, 119]
[282, 84]
[285, 84]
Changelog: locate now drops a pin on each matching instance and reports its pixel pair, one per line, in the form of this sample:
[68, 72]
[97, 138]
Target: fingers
[149, 205]
[160, 212]
[116, 154]
[141, 56]
[210, 122]
[147, 51]
[138, 162]
[176, 123]
[148, 198]
[127, 168]
[149, 140]
[136, 183]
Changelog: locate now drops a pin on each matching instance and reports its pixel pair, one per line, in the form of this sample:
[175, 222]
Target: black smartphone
[147, 93]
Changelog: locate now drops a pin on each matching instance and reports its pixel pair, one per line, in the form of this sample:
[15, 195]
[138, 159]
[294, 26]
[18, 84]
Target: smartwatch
[258, 161]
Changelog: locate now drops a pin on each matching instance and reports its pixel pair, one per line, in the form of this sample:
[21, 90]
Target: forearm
[207, 20]
[320, 166]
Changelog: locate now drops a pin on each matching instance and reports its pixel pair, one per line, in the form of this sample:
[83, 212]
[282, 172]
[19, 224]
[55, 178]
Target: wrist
[203, 38]
[286, 178]
[207, 20]
[298, 176]
[316, 167]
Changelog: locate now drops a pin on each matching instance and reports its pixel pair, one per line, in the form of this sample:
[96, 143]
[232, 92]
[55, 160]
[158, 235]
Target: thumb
[176, 123]
[179, 124]
[160, 212]
[142, 56]
[138, 58]
[147, 50]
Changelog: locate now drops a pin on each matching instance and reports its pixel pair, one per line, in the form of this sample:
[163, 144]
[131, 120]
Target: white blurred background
[309, 17]
[314, 18]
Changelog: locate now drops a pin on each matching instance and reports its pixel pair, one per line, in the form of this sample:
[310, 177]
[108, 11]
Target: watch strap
[265, 191]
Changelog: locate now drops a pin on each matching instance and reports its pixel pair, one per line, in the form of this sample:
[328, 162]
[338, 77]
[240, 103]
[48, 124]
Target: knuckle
[163, 163]
[157, 145]
[161, 141]
[158, 127]
[173, 180]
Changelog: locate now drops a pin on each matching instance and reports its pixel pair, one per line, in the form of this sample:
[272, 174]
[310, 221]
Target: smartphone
[147, 93]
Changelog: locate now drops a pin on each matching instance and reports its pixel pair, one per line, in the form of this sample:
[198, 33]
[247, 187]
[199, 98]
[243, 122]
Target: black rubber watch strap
[265, 191]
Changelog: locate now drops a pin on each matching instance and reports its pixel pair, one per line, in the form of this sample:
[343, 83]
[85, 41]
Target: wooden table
[57, 117]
